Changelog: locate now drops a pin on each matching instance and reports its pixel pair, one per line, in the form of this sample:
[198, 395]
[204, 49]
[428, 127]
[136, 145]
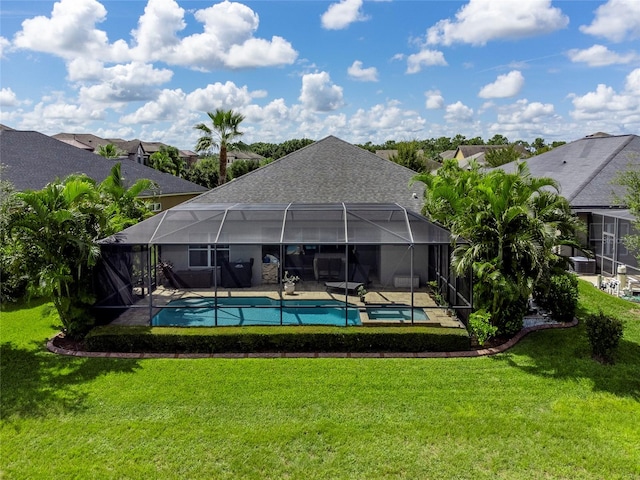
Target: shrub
[275, 339]
[480, 326]
[604, 334]
[558, 294]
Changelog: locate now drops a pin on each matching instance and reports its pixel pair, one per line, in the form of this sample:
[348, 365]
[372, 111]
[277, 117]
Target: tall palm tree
[221, 134]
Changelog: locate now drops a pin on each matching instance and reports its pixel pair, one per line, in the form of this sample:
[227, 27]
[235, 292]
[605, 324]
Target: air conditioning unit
[584, 265]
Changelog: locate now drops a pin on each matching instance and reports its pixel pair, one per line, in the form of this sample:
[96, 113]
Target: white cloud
[157, 28]
[435, 100]
[481, 21]
[318, 93]
[527, 120]
[340, 15]
[385, 121]
[168, 105]
[609, 107]
[69, 32]
[356, 72]
[425, 58]
[125, 83]
[616, 20]
[226, 95]
[8, 98]
[505, 86]
[458, 112]
[5, 44]
[600, 56]
[227, 39]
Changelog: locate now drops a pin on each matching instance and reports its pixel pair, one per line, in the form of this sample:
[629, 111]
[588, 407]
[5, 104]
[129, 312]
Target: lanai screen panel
[315, 224]
[426, 232]
[252, 225]
[377, 224]
[192, 225]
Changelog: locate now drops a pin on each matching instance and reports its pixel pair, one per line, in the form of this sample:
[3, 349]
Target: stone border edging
[461, 354]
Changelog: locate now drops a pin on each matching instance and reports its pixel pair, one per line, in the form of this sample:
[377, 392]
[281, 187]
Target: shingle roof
[327, 171]
[89, 140]
[586, 168]
[33, 159]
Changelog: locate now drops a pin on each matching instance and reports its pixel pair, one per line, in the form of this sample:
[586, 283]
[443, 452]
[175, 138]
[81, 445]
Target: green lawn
[542, 410]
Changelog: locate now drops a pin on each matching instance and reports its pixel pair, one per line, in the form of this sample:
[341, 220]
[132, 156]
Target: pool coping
[459, 354]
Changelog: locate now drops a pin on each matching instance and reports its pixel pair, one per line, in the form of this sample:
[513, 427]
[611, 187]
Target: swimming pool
[200, 312]
[396, 313]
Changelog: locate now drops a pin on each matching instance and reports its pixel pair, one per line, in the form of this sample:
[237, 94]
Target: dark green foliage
[204, 172]
[604, 333]
[276, 339]
[508, 225]
[558, 294]
[240, 167]
[500, 156]
[630, 179]
[168, 160]
[409, 156]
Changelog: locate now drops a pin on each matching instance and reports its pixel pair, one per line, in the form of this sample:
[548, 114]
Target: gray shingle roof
[586, 168]
[327, 171]
[33, 159]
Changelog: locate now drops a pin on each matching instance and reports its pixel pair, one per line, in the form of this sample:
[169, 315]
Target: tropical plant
[59, 225]
[122, 206]
[508, 226]
[110, 151]
[480, 326]
[167, 159]
[288, 278]
[221, 134]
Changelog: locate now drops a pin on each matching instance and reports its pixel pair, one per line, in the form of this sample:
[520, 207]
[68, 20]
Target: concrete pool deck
[437, 316]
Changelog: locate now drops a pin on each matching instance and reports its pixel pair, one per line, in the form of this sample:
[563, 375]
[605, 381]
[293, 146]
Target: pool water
[396, 313]
[200, 312]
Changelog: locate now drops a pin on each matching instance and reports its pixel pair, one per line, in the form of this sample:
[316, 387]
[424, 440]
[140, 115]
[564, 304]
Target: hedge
[275, 339]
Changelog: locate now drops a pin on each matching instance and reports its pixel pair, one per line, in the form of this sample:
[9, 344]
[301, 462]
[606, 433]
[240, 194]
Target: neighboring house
[135, 150]
[465, 154]
[321, 212]
[32, 160]
[85, 141]
[249, 156]
[586, 170]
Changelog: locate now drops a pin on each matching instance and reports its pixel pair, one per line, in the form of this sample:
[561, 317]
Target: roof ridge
[596, 171]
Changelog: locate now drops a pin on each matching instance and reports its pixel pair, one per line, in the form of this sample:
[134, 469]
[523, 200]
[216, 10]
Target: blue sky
[360, 70]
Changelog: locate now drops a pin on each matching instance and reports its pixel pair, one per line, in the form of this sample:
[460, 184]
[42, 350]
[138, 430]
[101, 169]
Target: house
[85, 141]
[465, 154]
[135, 150]
[586, 170]
[328, 212]
[32, 159]
[248, 156]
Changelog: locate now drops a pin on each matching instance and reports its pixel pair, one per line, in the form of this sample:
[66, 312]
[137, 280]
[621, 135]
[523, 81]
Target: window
[155, 207]
[202, 256]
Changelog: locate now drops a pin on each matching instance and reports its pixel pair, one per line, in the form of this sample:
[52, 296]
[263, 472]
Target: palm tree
[221, 134]
[510, 224]
[109, 151]
[123, 207]
[59, 225]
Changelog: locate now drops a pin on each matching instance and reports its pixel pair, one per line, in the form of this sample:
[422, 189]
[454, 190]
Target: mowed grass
[544, 409]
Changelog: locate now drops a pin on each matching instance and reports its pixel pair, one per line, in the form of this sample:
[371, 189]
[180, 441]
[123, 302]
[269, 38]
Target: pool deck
[437, 316]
